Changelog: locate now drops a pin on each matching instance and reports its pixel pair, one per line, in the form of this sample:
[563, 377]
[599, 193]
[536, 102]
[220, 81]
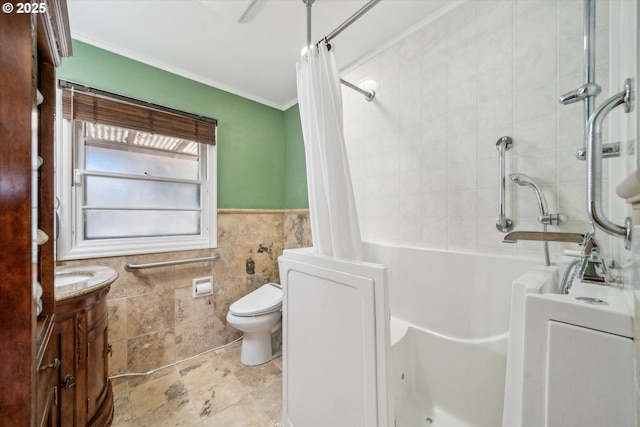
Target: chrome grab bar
[503, 223]
[594, 165]
[130, 266]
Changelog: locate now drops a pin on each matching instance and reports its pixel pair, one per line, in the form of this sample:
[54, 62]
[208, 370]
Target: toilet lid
[266, 299]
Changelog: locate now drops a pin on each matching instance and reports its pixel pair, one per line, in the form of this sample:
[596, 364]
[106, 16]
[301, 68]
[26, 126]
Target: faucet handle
[553, 219]
[594, 268]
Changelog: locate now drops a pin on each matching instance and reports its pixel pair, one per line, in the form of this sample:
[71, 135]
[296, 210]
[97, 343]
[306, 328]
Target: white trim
[70, 243]
[101, 249]
[232, 90]
[177, 71]
[412, 29]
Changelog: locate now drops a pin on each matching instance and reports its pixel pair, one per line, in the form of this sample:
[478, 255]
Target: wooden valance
[141, 116]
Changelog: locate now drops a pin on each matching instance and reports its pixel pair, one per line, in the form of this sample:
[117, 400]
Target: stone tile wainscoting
[154, 319]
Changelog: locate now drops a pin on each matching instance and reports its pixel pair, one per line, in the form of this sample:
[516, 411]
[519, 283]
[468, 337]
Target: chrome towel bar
[130, 266]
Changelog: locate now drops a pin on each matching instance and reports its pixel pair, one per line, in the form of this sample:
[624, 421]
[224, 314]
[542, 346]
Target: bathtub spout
[593, 266]
[544, 236]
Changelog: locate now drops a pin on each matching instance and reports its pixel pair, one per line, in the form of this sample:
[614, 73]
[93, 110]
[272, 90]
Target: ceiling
[203, 39]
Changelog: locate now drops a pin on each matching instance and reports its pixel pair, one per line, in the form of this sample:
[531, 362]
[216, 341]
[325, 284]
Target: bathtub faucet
[593, 267]
[544, 236]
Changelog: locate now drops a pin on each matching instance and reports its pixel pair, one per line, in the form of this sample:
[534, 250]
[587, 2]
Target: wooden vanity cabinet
[31, 46]
[86, 397]
[54, 362]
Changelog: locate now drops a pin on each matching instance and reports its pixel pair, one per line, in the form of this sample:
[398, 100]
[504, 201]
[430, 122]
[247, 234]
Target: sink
[74, 281]
[63, 279]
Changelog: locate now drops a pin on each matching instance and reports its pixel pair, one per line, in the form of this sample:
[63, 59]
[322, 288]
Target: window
[131, 181]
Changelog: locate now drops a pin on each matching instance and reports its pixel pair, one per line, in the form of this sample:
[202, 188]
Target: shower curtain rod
[368, 94]
[353, 18]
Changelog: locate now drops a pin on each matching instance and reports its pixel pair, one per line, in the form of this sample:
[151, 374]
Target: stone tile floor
[214, 389]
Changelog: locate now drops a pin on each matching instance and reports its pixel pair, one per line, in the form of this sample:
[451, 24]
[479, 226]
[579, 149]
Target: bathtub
[449, 334]
[410, 337]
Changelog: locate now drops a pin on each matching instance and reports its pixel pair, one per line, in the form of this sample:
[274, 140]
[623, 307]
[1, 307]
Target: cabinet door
[589, 378]
[47, 386]
[97, 368]
[65, 335]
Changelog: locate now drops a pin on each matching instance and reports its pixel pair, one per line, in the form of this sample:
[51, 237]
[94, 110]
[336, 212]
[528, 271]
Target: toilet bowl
[258, 315]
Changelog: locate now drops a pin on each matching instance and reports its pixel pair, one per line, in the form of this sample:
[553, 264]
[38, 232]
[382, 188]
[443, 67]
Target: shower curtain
[334, 219]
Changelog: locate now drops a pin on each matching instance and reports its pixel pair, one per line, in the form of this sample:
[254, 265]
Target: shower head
[521, 179]
[524, 180]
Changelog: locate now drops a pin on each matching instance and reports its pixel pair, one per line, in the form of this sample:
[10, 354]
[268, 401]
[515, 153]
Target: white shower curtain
[334, 219]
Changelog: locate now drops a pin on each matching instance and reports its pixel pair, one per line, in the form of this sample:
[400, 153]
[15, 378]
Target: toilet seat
[266, 299]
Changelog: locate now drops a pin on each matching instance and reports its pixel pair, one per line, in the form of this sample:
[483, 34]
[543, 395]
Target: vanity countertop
[75, 281]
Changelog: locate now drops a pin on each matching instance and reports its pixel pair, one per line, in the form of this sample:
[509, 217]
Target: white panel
[332, 341]
[548, 362]
[589, 378]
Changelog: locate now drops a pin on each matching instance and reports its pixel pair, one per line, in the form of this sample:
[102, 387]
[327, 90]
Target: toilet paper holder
[202, 286]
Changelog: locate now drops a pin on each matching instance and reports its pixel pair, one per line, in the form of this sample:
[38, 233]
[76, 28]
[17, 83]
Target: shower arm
[545, 217]
[503, 223]
[525, 181]
[594, 166]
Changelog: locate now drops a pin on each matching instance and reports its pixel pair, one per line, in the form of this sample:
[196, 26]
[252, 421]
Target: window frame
[71, 244]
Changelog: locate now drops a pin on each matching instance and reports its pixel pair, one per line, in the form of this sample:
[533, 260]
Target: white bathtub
[449, 333]
[440, 360]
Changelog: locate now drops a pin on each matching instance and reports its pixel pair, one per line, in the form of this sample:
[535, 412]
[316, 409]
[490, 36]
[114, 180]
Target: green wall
[260, 148]
[295, 184]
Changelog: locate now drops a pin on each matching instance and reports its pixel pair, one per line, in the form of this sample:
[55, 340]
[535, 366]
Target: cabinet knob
[69, 381]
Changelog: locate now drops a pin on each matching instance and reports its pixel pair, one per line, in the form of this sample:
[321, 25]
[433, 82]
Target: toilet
[258, 315]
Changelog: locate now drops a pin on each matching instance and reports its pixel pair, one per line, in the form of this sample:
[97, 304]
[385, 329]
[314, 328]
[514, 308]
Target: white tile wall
[423, 155]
